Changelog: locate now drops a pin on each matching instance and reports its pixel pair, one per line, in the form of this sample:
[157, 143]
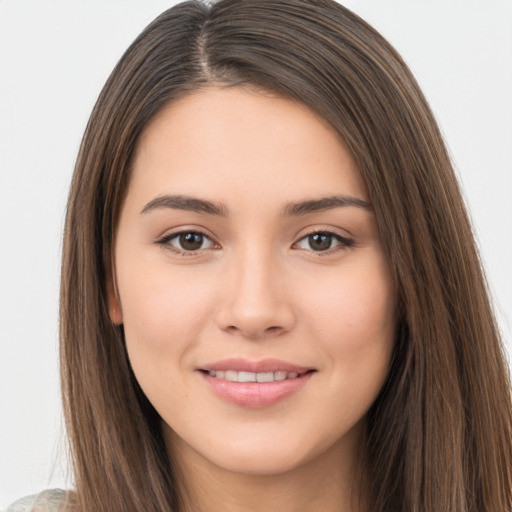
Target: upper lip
[262, 366]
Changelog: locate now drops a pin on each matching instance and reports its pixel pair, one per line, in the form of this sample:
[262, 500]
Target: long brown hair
[439, 434]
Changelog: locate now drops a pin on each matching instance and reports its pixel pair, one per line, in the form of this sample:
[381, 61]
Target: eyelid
[344, 242]
[165, 239]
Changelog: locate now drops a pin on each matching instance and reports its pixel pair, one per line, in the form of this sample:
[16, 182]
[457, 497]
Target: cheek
[162, 321]
[163, 313]
[355, 319]
[356, 325]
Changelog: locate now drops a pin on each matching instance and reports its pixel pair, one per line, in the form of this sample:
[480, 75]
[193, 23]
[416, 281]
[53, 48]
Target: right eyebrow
[323, 204]
[192, 204]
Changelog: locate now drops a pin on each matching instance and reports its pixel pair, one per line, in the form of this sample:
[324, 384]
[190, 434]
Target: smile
[255, 384]
[242, 376]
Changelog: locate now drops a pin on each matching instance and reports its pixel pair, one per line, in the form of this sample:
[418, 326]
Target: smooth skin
[263, 270]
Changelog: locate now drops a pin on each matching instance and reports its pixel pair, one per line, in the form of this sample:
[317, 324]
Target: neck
[330, 483]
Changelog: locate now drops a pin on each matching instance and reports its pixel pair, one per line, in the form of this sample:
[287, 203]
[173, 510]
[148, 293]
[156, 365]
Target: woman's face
[257, 303]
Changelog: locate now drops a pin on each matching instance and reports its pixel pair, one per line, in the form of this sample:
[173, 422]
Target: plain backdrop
[54, 59]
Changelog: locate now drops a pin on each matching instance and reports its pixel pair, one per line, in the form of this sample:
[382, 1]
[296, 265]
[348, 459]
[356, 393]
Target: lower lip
[256, 394]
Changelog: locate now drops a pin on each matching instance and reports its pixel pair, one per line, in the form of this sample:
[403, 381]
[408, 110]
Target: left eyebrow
[192, 204]
[322, 204]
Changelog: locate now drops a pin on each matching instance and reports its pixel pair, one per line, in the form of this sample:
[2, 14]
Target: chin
[271, 454]
[262, 462]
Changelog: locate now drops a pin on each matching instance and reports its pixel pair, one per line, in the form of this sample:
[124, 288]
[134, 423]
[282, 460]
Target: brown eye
[191, 241]
[323, 241]
[187, 242]
[320, 241]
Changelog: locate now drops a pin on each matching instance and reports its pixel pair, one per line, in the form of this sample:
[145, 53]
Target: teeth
[235, 376]
[231, 375]
[265, 377]
[246, 377]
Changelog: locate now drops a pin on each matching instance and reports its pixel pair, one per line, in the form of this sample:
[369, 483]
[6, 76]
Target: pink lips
[255, 394]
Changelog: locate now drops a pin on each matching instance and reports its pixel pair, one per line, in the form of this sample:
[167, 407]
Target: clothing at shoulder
[52, 500]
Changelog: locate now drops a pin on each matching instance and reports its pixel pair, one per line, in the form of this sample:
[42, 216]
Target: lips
[265, 365]
[240, 376]
[255, 383]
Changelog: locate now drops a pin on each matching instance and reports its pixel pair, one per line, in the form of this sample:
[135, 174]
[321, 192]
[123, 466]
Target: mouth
[244, 376]
[255, 384]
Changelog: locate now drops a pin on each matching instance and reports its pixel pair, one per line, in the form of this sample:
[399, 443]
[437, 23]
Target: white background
[54, 59]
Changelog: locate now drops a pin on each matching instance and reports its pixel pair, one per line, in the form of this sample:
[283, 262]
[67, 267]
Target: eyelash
[165, 242]
[343, 242]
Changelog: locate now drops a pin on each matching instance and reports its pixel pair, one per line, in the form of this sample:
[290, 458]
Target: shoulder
[53, 500]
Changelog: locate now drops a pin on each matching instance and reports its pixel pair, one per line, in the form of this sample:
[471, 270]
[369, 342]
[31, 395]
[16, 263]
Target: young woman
[271, 297]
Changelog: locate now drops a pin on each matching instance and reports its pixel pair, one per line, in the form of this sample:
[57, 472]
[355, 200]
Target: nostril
[262, 320]
[269, 331]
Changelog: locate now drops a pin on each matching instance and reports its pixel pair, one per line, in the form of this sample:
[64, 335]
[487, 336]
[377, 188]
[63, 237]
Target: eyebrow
[191, 204]
[322, 204]
[180, 202]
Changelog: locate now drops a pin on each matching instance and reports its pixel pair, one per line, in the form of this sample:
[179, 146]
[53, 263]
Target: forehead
[236, 143]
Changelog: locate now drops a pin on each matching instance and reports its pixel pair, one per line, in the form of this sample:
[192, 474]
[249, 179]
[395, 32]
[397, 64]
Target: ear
[114, 305]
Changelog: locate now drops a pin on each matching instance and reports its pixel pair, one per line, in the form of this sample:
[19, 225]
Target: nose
[255, 300]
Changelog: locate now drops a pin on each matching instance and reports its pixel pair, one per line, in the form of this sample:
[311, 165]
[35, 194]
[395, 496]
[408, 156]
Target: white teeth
[231, 375]
[234, 376]
[246, 377]
[265, 377]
